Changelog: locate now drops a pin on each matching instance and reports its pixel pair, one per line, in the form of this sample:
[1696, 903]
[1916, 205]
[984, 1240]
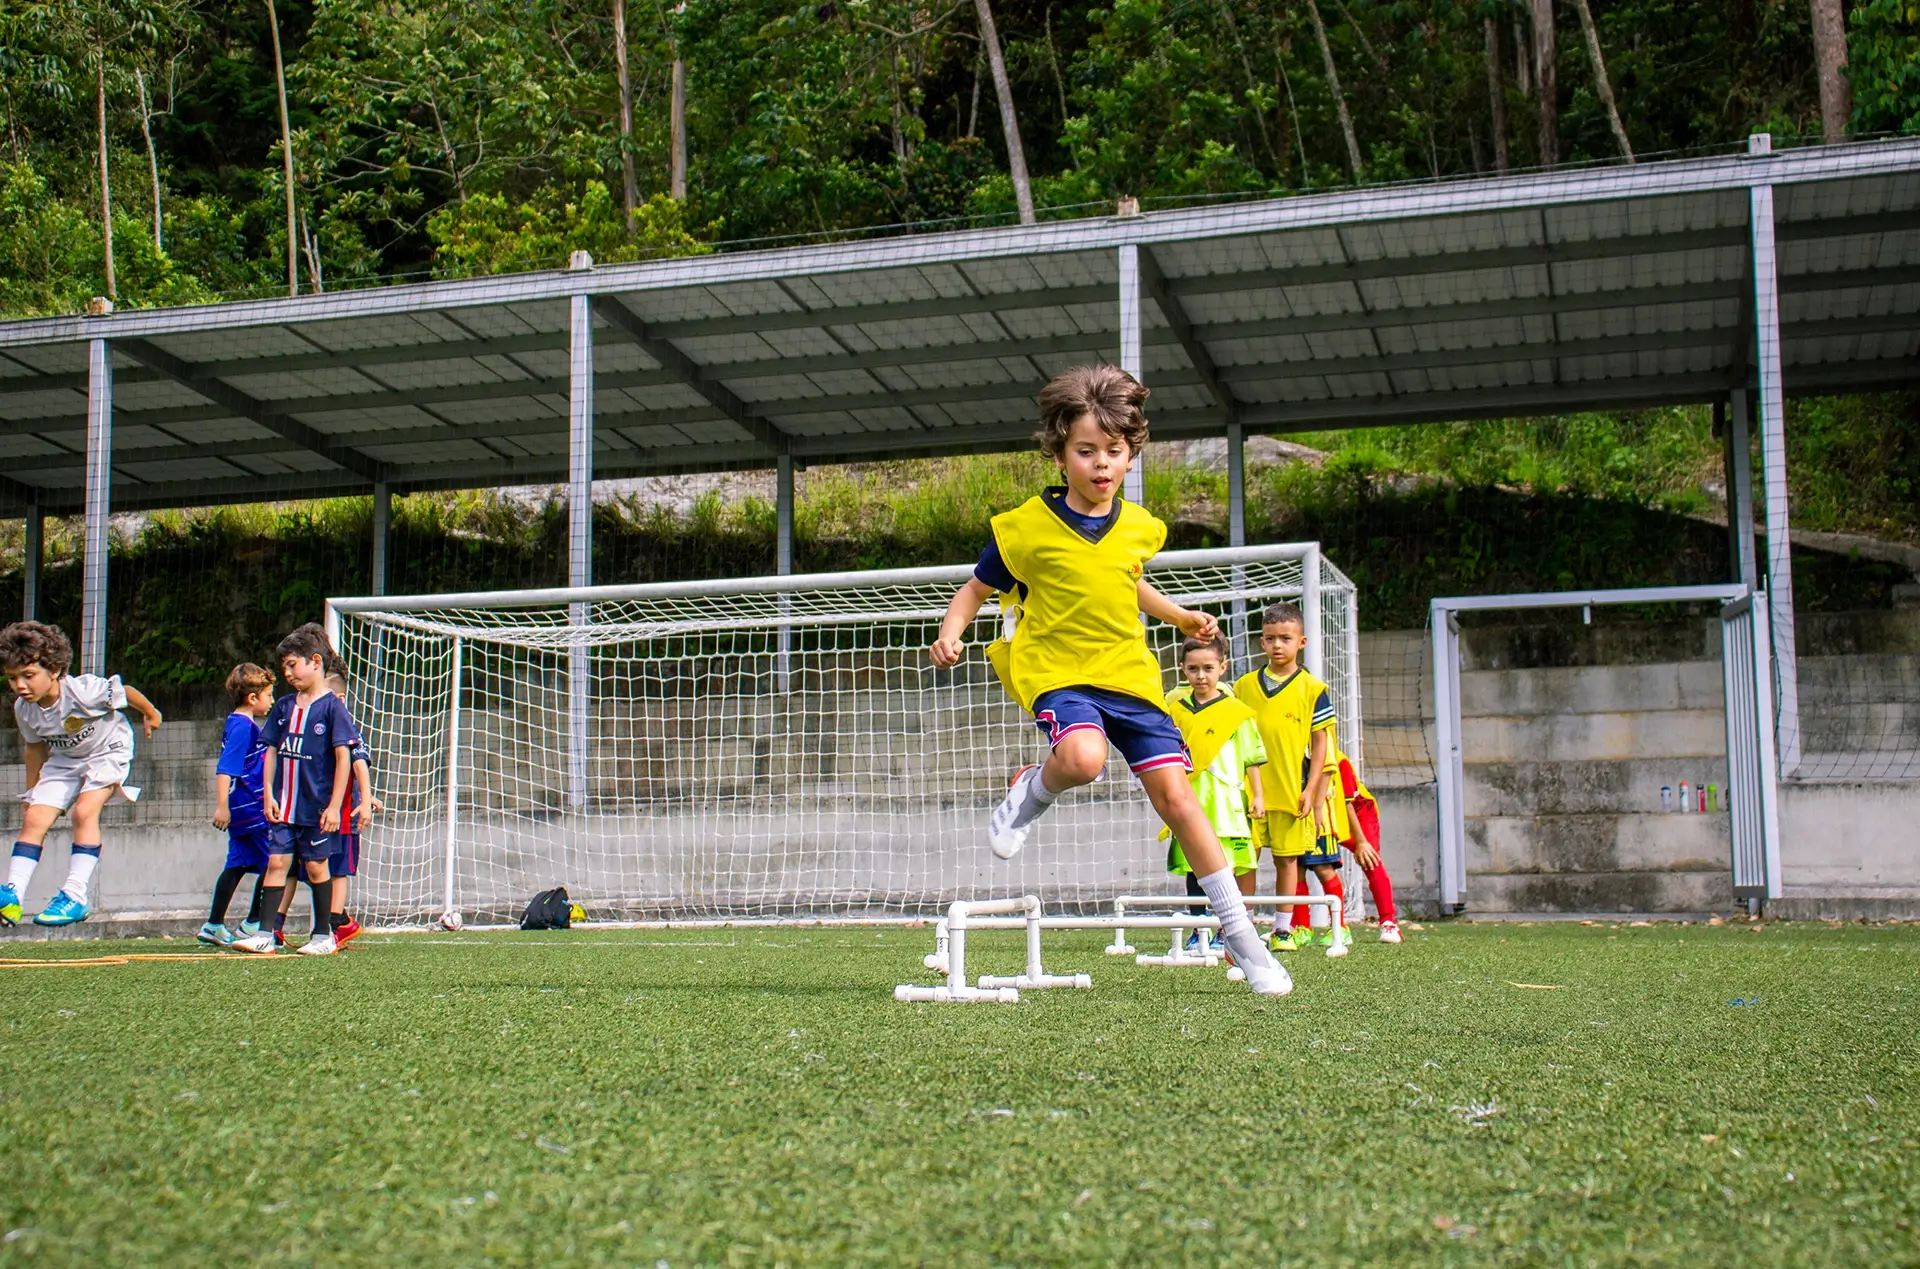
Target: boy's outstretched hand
[946, 653]
[1197, 625]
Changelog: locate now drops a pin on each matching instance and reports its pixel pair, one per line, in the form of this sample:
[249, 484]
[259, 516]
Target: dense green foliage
[1590, 500]
[1682, 1096]
[459, 136]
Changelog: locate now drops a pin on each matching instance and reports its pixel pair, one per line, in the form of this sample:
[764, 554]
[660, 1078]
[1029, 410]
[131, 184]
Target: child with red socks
[1355, 820]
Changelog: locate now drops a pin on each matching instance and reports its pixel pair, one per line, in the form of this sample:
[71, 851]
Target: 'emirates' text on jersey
[304, 735]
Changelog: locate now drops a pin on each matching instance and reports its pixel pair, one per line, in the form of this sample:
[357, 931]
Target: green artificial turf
[1688, 1095]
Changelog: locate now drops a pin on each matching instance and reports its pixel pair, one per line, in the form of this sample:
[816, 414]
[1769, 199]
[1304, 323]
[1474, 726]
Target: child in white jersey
[78, 747]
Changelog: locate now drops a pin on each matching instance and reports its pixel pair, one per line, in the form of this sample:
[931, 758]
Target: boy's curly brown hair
[26, 643]
[1109, 394]
[247, 680]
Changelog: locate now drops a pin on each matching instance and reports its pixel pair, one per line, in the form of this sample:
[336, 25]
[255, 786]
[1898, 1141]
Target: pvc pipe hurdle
[1178, 956]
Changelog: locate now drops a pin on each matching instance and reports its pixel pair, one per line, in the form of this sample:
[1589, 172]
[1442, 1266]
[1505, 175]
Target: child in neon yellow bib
[1069, 564]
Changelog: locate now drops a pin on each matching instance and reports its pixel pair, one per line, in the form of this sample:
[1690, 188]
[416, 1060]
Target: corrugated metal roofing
[1539, 293]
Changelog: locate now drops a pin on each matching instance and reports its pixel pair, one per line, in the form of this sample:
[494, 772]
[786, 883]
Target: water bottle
[1686, 797]
[1666, 797]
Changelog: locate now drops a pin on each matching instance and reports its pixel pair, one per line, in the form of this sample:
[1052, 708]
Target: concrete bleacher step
[1516, 844]
[1584, 788]
[1612, 737]
[1686, 685]
[1601, 892]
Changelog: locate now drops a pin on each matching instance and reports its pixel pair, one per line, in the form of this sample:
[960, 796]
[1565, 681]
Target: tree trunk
[1830, 58]
[1009, 120]
[1522, 60]
[1545, 81]
[626, 109]
[1246, 67]
[973, 113]
[153, 157]
[1339, 98]
[1496, 96]
[1600, 83]
[286, 154]
[106, 191]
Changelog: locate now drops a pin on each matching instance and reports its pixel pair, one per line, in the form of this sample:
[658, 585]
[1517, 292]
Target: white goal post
[1747, 679]
[767, 747]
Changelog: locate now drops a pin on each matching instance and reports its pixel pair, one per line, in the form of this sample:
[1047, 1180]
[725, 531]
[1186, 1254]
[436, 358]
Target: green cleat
[1292, 941]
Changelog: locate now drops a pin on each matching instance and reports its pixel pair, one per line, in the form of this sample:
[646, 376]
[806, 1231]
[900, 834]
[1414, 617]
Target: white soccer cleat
[1269, 982]
[1389, 931]
[259, 942]
[322, 946]
[1007, 827]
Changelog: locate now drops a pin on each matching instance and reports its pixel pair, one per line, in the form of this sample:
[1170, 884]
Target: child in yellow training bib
[1069, 564]
[1224, 742]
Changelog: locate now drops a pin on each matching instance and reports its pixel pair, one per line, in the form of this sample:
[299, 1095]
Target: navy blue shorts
[1146, 735]
[248, 848]
[1325, 851]
[304, 842]
[345, 860]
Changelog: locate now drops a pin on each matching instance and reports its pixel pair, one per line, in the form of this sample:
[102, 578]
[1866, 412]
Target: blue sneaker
[248, 929]
[214, 934]
[64, 910]
[1193, 944]
[9, 906]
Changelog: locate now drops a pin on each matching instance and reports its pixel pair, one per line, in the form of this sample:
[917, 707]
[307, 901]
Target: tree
[1601, 87]
[1496, 95]
[1545, 80]
[1830, 63]
[1009, 120]
[286, 153]
[1339, 97]
[631, 190]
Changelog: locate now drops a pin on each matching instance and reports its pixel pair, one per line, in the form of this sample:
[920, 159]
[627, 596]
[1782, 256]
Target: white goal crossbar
[747, 747]
[1747, 668]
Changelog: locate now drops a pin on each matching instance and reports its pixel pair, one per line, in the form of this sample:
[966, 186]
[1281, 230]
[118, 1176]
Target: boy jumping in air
[78, 749]
[1070, 563]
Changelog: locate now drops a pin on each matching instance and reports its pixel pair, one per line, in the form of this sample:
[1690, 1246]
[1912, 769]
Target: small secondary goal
[771, 747]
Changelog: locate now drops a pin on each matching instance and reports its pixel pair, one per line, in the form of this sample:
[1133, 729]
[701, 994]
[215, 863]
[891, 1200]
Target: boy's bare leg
[1246, 882]
[1078, 759]
[1172, 796]
[1286, 872]
[86, 841]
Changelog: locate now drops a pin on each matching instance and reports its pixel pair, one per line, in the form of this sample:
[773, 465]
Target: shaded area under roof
[1519, 295]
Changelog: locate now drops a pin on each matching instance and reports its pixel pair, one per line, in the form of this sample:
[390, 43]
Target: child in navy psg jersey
[309, 737]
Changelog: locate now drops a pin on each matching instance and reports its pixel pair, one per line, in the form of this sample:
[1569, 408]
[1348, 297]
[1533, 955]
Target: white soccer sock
[1030, 797]
[1236, 931]
[20, 869]
[80, 871]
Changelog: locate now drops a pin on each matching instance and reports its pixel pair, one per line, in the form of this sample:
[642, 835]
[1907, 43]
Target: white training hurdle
[1025, 913]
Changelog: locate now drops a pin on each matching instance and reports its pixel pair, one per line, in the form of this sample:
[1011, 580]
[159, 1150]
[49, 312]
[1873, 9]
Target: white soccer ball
[450, 920]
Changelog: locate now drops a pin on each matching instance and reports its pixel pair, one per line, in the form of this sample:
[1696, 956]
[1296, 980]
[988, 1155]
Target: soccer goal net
[773, 747]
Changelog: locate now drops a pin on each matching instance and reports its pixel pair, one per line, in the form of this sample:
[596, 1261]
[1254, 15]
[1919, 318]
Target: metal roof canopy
[1538, 293]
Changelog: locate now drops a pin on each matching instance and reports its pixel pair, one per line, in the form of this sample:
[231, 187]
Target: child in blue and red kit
[309, 739]
[237, 806]
[345, 863]
[1355, 824]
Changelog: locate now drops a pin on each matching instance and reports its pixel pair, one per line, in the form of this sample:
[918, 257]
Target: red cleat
[345, 934]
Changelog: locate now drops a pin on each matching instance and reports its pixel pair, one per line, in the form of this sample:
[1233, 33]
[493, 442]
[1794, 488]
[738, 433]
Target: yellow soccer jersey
[1288, 714]
[1078, 622]
[1224, 743]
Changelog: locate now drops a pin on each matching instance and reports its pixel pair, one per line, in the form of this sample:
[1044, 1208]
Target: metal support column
[1135, 485]
[1314, 655]
[1773, 467]
[382, 523]
[99, 506]
[579, 541]
[1237, 536]
[35, 551]
[783, 564]
[1740, 488]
